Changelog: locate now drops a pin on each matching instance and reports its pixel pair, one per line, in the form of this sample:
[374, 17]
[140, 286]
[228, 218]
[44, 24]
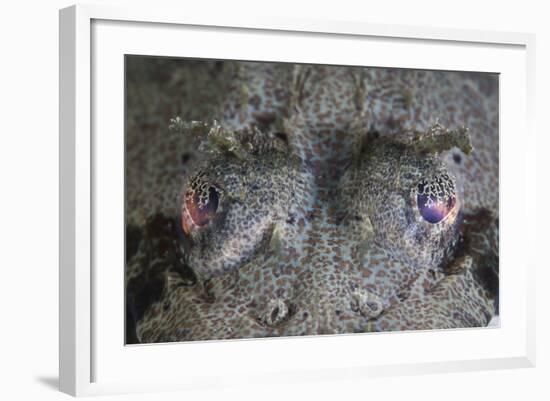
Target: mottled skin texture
[317, 228]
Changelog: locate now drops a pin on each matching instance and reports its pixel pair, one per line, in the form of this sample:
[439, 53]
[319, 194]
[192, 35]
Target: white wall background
[29, 196]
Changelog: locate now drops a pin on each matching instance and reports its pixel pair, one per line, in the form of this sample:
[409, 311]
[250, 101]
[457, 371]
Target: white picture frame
[92, 35]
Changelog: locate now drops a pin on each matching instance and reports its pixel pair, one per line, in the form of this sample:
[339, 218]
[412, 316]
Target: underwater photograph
[267, 199]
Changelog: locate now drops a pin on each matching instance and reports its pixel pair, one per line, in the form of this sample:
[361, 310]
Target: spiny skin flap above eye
[200, 206]
[436, 198]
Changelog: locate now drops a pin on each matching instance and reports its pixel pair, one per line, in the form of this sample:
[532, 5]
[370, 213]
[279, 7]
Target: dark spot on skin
[164, 246]
[457, 158]
[482, 223]
[188, 277]
[133, 239]
[141, 294]
[403, 294]
[291, 219]
[292, 309]
[487, 275]
[282, 136]
[264, 120]
[159, 226]
[274, 313]
[373, 134]
[131, 336]
[146, 289]
[218, 68]
[486, 264]
[185, 157]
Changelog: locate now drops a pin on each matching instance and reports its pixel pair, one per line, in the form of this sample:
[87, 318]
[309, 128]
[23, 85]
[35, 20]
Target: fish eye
[200, 204]
[436, 198]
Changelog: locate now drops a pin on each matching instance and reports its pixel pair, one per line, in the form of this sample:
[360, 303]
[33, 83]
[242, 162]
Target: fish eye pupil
[436, 198]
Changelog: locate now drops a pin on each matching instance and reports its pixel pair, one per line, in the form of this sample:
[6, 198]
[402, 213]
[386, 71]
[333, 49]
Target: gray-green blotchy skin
[317, 227]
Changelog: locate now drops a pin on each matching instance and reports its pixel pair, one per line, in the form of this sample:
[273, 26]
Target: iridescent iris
[200, 206]
[436, 198]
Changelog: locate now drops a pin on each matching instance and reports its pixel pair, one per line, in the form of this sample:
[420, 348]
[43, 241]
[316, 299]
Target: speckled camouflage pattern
[318, 230]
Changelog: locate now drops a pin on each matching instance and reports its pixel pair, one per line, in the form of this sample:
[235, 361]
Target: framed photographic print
[241, 194]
